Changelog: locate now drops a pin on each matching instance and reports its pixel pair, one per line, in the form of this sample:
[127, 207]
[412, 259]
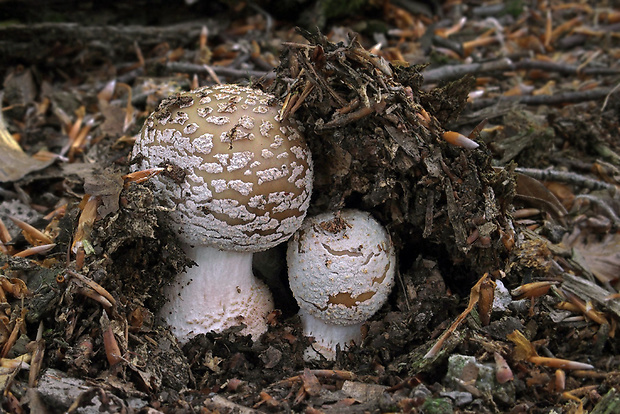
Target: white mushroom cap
[341, 268]
[243, 178]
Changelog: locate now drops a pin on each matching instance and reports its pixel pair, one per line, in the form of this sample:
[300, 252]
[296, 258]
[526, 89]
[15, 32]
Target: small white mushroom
[341, 271]
[241, 183]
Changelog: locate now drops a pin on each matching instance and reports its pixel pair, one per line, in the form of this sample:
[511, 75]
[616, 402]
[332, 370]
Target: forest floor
[506, 296]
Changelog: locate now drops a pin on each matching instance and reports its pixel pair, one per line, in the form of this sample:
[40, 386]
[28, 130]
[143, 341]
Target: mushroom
[238, 181]
[341, 271]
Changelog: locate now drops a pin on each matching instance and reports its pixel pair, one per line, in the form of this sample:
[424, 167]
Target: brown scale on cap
[248, 176]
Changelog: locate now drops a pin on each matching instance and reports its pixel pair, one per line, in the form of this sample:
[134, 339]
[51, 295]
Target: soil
[483, 136]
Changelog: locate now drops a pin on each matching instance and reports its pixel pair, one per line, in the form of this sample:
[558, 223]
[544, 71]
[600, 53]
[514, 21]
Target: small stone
[363, 392]
[460, 398]
[18, 210]
[485, 381]
[502, 298]
[58, 392]
[420, 392]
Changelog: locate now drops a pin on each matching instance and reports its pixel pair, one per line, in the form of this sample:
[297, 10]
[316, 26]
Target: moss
[437, 406]
[514, 8]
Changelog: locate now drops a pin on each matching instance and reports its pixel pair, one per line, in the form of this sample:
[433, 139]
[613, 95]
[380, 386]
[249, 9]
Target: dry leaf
[105, 184]
[474, 297]
[600, 256]
[14, 162]
[523, 347]
[534, 193]
[114, 120]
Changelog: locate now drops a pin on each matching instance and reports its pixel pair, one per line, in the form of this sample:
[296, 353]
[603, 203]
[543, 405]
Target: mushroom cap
[237, 177]
[341, 267]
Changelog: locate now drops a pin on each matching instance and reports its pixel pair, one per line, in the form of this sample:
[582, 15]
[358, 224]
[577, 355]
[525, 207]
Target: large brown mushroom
[242, 184]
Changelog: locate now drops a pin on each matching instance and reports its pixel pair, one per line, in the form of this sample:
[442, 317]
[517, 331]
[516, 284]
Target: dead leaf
[114, 120]
[534, 193]
[600, 256]
[524, 349]
[562, 192]
[14, 162]
[19, 87]
[312, 386]
[474, 297]
[106, 184]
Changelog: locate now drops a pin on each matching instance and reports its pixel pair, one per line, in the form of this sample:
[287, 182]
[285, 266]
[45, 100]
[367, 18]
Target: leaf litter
[82, 273]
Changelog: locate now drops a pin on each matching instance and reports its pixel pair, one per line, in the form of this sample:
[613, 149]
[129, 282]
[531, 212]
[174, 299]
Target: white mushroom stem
[328, 336]
[218, 293]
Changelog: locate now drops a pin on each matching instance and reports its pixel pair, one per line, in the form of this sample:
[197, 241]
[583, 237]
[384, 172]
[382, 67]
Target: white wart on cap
[341, 271]
[239, 180]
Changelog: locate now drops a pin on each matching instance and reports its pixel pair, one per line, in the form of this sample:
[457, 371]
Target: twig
[555, 99]
[452, 72]
[34, 43]
[606, 208]
[37, 357]
[219, 70]
[212, 74]
[569, 178]
[93, 285]
[590, 291]
[220, 403]
[563, 68]
[474, 296]
[613, 90]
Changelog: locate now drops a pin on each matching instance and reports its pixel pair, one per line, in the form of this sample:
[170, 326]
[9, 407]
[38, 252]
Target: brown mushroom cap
[246, 177]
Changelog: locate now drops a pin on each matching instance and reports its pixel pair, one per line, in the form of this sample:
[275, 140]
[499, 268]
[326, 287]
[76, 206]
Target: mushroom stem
[327, 336]
[222, 286]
